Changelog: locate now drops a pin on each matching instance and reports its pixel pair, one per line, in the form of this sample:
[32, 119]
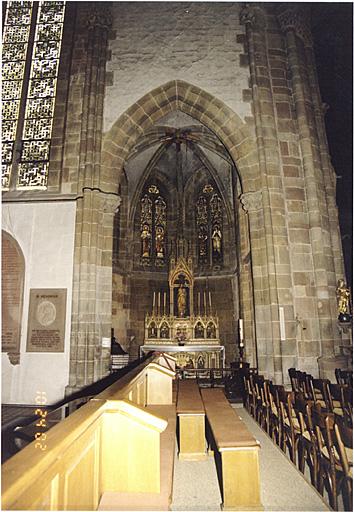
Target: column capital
[252, 14]
[111, 203]
[296, 18]
[99, 16]
[251, 201]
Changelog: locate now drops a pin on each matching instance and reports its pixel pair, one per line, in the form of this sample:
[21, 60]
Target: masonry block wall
[247, 74]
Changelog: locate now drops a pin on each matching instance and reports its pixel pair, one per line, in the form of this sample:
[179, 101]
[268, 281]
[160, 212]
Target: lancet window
[153, 228]
[209, 223]
[31, 51]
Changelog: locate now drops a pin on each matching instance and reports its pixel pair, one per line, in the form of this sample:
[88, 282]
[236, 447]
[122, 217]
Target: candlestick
[240, 326]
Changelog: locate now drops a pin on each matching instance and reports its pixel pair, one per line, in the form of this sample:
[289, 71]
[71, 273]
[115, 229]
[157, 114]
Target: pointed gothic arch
[235, 134]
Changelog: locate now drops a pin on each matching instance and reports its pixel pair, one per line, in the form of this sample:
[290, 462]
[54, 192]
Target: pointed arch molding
[236, 135]
[12, 287]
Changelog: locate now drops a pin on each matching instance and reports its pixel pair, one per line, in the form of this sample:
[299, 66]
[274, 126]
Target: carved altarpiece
[190, 334]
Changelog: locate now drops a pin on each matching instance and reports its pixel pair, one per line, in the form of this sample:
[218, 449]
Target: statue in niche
[160, 235]
[152, 332]
[210, 331]
[199, 330]
[343, 301]
[164, 331]
[181, 301]
[216, 239]
[146, 241]
[200, 362]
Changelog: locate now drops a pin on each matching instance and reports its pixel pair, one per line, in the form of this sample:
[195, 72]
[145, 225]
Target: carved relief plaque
[12, 282]
[46, 320]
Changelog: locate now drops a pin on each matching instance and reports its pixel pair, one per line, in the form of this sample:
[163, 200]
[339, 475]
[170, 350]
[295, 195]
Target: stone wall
[152, 43]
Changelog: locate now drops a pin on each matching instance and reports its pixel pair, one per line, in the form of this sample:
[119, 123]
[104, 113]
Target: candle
[205, 303]
[210, 301]
[240, 326]
[158, 303]
[164, 303]
[199, 303]
[241, 344]
[153, 302]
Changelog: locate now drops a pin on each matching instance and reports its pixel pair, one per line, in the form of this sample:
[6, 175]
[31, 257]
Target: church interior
[176, 256]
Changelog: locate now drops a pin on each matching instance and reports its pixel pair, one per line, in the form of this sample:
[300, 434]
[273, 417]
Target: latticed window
[30, 61]
[153, 227]
[209, 223]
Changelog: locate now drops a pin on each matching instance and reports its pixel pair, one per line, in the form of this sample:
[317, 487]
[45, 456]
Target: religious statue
[159, 242]
[216, 238]
[181, 301]
[164, 331]
[343, 301]
[152, 332]
[146, 241]
[199, 330]
[210, 331]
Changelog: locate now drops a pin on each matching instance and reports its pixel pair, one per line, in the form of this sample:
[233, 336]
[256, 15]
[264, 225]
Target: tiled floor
[283, 487]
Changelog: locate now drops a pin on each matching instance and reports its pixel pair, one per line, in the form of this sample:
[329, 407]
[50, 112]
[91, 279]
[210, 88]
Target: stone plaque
[12, 282]
[46, 320]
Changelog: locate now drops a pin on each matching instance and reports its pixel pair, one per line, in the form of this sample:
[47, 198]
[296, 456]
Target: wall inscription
[12, 282]
[46, 321]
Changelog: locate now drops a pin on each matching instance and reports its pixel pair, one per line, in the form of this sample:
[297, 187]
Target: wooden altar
[184, 325]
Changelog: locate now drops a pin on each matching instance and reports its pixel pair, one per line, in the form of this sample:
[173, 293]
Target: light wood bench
[236, 453]
[145, 500]
[191, 421]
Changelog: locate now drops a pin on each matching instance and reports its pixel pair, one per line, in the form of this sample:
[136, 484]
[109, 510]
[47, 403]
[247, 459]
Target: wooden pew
[161, 500]
[236, 453]
[191, 421]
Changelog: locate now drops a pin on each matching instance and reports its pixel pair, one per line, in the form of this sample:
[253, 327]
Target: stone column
[261, 346]
[92, 286]
[278, 269]
[296, 31]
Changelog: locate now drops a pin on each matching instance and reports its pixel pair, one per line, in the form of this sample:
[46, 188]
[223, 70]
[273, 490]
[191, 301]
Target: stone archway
[236, 135]
[92, 297]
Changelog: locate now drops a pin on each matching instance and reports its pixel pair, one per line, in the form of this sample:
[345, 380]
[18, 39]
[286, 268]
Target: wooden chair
[344, 377]
[331, 471]
[250, 395]
[344, 444]
[304, 384]
[319, 393]
[275, 429]
[307, 445]
[293, 374]
[290, 426]
[336, 398]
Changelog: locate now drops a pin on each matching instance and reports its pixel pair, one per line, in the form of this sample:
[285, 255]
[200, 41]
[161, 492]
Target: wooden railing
[110, 444]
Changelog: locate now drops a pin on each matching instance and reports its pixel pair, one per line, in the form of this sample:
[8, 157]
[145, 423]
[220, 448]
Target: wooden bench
[191, 421]
[147, 500]
[236, 453]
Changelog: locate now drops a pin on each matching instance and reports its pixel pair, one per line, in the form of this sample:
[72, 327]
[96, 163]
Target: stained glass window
[30, 33]
[15, 43]
[153, 228]
[209, 222]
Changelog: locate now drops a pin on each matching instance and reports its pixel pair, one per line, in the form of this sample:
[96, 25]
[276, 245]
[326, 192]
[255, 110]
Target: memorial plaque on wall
[46, 320]
[12, 281]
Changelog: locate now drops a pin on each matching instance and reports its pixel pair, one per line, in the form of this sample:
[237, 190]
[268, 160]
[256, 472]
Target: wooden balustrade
[111, 444]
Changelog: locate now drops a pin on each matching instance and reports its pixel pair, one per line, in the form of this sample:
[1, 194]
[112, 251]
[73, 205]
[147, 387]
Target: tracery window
[153, 228]
[31, 52]
[209, 222]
